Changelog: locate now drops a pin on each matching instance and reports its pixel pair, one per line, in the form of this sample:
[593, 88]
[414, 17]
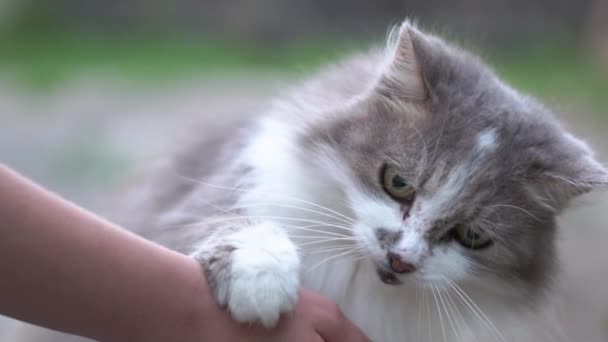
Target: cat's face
[450, 174]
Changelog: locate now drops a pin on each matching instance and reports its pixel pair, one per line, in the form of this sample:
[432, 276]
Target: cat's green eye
[471, 238]
[396, 185]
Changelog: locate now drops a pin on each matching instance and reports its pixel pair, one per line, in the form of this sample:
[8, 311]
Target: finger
[345, 331]
[318, 338]
[333, 326]
[352, 333]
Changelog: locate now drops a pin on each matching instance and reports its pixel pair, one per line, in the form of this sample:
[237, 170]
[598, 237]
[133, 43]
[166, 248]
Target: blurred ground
[86, 137]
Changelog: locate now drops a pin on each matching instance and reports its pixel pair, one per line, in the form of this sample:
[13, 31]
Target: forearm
[118, 282]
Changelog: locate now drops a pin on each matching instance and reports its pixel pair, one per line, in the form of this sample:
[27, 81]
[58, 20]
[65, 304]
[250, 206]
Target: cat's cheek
[450, 263]
[369, 241]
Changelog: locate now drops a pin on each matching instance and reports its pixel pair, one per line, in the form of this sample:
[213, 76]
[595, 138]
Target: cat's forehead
[453, 162]
[457, 187]
[457, 165]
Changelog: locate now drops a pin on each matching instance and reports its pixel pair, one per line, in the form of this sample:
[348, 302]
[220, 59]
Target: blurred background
[92, 90]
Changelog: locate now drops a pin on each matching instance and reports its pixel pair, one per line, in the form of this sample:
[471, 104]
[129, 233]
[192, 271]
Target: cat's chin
[392, 279]
[388, 278]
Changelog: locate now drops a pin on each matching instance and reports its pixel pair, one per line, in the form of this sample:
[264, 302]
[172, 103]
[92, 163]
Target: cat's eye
[395, 185]
[471, 238]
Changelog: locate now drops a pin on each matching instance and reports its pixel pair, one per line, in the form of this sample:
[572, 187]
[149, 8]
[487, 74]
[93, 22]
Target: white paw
[264, 275]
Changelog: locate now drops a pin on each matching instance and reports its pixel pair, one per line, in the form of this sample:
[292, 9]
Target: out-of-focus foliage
[542, 46]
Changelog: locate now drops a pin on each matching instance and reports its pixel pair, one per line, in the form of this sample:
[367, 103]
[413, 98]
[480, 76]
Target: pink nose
[398, 265]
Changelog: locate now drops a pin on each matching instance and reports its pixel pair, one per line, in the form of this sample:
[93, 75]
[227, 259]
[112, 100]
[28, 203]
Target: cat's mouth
[388, 277]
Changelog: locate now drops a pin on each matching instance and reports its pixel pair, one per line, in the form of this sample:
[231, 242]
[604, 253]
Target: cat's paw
[264, 273]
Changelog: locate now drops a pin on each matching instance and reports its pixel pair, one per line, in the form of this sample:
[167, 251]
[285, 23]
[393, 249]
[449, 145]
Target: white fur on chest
[384, 313]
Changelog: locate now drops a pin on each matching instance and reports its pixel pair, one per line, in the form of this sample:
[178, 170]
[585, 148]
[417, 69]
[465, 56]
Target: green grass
[558, 74]
[43, 61]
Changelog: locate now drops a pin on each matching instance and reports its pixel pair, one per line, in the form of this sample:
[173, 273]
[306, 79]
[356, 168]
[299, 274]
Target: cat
[405, 174]
[409, 184]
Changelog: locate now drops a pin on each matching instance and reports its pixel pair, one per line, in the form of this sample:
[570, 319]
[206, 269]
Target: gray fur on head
[436, 109]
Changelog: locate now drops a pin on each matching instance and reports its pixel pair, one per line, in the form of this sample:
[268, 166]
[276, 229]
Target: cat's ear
[419, 66]
[402, 74]
[569, 175]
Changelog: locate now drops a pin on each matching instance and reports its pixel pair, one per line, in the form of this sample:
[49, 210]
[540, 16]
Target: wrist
[198, 307]
[190, 312]
[178, 305]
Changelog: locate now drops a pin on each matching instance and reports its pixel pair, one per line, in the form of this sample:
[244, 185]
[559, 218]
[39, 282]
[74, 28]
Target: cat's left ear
[402, 75]
[569, 174]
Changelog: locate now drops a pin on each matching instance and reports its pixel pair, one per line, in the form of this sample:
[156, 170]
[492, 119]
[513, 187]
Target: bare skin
[65, 269]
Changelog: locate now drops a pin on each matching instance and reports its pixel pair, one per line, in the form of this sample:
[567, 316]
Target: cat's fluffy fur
[295, 198]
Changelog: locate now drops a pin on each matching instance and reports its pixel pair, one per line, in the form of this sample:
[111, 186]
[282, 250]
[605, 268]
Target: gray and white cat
[408, 184]
[403, 182]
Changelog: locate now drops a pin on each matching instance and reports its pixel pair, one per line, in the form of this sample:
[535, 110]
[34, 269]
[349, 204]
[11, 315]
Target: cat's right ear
[402, 75]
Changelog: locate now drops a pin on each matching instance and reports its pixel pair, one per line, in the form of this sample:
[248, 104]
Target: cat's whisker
[475, 309]
[327, 224]
[445, 338]
[328, 249]
[296, 228]
[491, 223]
[309, 245]
[316, 226]
[224, 210]
[350, 222]
[461, 321]
[261, 193]
[454, 310]
[321, 223]
[355, 260]
[441, 130]
[445, 309]
[428, 313]
[422, 165]
[321, 238]
[518, 208]
[482, 267]
[220, 219]
[420, 306]
[325, 241]
[346, 202]
[329, 259]
[311, 226]
[356, 249]
[234, 211]
[356, 257]
[471, 308]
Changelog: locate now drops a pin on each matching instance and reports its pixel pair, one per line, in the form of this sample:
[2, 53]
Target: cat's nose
[398, 265]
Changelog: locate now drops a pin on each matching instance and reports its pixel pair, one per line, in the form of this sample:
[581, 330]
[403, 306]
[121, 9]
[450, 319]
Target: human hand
[111, 285]
[315, 319]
